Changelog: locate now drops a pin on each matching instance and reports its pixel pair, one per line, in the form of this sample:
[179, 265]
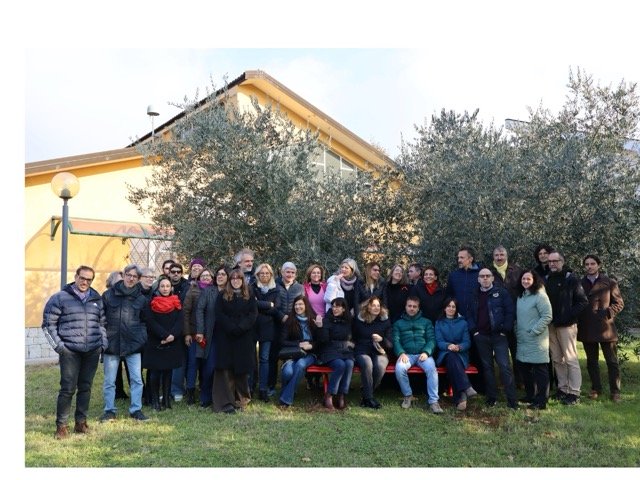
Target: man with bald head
[491, 319]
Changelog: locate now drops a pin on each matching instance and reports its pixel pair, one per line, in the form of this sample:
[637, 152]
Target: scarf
[347, 285]
[502, 270]
[127, 292]
[431, 287]
[204, 285]
[304, 327]
[168, 304]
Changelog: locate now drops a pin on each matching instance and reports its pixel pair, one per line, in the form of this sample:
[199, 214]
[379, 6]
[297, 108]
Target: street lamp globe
[65, 185]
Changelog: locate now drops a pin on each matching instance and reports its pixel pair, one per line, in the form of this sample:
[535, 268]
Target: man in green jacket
[413, 342]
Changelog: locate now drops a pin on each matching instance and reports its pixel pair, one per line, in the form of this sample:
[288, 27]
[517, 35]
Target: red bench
[391, 368]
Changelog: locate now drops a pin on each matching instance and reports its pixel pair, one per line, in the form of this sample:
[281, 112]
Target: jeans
[371, 372]
[496, 345]
[207, 368]
[263, 365]
[609, 350]
[340, 376]
[134, 364]
[192, 366]
[429, 368]
[292, 372]
[77, 370]
[456, 374]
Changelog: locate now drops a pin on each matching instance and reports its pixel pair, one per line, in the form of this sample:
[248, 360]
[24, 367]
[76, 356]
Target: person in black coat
[269, 316]
[431, 294]
[163, 351]
[396, 291]
[235, 311]
[335, 349]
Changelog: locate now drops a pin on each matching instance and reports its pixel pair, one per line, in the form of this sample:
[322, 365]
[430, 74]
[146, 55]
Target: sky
[82, 100]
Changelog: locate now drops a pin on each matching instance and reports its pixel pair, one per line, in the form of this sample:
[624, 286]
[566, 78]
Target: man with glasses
[127, 336]
[244, 261]
[180, 288]
[491, 319]
[74, 325]
[568, 300]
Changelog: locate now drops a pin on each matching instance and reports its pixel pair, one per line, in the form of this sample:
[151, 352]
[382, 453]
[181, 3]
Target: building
[107, 232]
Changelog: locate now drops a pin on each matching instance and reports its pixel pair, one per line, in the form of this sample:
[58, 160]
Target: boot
[81, 427]
[166, 389]
[191, 396]
[342, 403]
[154, 386]
[62, 431]
[328, 402]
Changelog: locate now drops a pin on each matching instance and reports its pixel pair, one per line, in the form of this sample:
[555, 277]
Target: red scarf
[168, 304]
[431, 287]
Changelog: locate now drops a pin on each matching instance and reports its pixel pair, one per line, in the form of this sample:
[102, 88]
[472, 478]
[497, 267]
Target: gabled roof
[273, 89]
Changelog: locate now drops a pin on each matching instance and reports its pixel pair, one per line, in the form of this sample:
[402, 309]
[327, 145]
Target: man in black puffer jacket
[74, 325]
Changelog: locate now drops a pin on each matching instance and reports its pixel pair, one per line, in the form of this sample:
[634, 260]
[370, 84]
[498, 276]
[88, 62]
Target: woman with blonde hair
[269, 315]
[346, 283]
[372, 338]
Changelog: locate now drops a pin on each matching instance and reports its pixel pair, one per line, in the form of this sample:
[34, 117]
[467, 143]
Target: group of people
[233, 331]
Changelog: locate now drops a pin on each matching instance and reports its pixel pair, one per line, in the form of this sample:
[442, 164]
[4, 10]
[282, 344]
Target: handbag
[291, 353]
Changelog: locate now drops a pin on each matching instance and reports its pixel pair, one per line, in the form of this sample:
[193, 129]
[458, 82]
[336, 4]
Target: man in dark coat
[463, 282]
[567, 302]
[73, 324]
[596, 325]
[127, 335]
[491, 319]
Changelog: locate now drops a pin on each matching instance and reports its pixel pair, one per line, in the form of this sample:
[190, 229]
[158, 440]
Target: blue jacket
[461, 285]
[453, 331]
[69, 322]
[126, 330]
[501, 310]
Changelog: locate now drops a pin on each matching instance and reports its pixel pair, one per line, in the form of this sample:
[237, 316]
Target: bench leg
[325, 382]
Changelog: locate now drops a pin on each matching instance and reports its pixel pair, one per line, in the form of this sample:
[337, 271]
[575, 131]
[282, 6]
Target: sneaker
[536, 406]
[108, 416]
[593, 395]
[406, 401]
[138, 415]
[570, 399]
[271, 392]
[462, 404]
[559, 395]
[435, 408]
[61, 432]
[177, 398]
[470, 392]
[615, 398]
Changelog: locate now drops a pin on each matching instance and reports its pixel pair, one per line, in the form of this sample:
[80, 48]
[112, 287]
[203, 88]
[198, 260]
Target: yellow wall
[102, 195]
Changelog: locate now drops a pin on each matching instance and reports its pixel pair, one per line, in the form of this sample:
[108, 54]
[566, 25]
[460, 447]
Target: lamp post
[65, 185]
[152, 112]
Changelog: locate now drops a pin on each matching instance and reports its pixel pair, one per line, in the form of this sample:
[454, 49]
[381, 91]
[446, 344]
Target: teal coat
[533, 315]
[453, 331]
[413, 335]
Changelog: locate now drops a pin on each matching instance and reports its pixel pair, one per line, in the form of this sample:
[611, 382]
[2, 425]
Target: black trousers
[77, 370]
[536, 381]
[610, 352]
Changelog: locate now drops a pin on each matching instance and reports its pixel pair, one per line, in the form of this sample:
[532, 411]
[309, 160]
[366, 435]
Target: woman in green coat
[533, 315]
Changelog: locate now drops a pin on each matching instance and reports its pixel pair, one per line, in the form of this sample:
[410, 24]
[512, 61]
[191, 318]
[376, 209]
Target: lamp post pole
[65, 185]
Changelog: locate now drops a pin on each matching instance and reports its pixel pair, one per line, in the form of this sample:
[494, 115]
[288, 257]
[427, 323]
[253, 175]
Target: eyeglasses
[485, 276]
[131, 275]
[175, 271]
[85, 279]
[148, 276]
[205, 275]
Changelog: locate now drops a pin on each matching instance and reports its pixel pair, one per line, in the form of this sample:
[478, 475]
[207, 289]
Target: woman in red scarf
[431, 294]
[163, 351]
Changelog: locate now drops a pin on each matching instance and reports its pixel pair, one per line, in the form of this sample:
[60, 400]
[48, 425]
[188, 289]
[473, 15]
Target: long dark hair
[535, 286]
[228, 289]
[346, 315]
[292, 325]
[447, 301]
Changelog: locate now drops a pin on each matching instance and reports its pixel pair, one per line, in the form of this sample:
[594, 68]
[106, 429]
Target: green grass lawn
[592, 434]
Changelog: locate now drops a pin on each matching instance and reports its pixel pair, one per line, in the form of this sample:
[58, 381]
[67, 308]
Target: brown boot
[342, 403]
[328, 402]
[81, 427]
[61, 432]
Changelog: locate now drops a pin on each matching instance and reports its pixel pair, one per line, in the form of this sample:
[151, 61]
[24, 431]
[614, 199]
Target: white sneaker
[177, 398]
[470, 392]
[406, 402]
[435, 408]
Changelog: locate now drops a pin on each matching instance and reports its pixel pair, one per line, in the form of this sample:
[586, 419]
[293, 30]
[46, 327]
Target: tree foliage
[230, 179]
[564, 179]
